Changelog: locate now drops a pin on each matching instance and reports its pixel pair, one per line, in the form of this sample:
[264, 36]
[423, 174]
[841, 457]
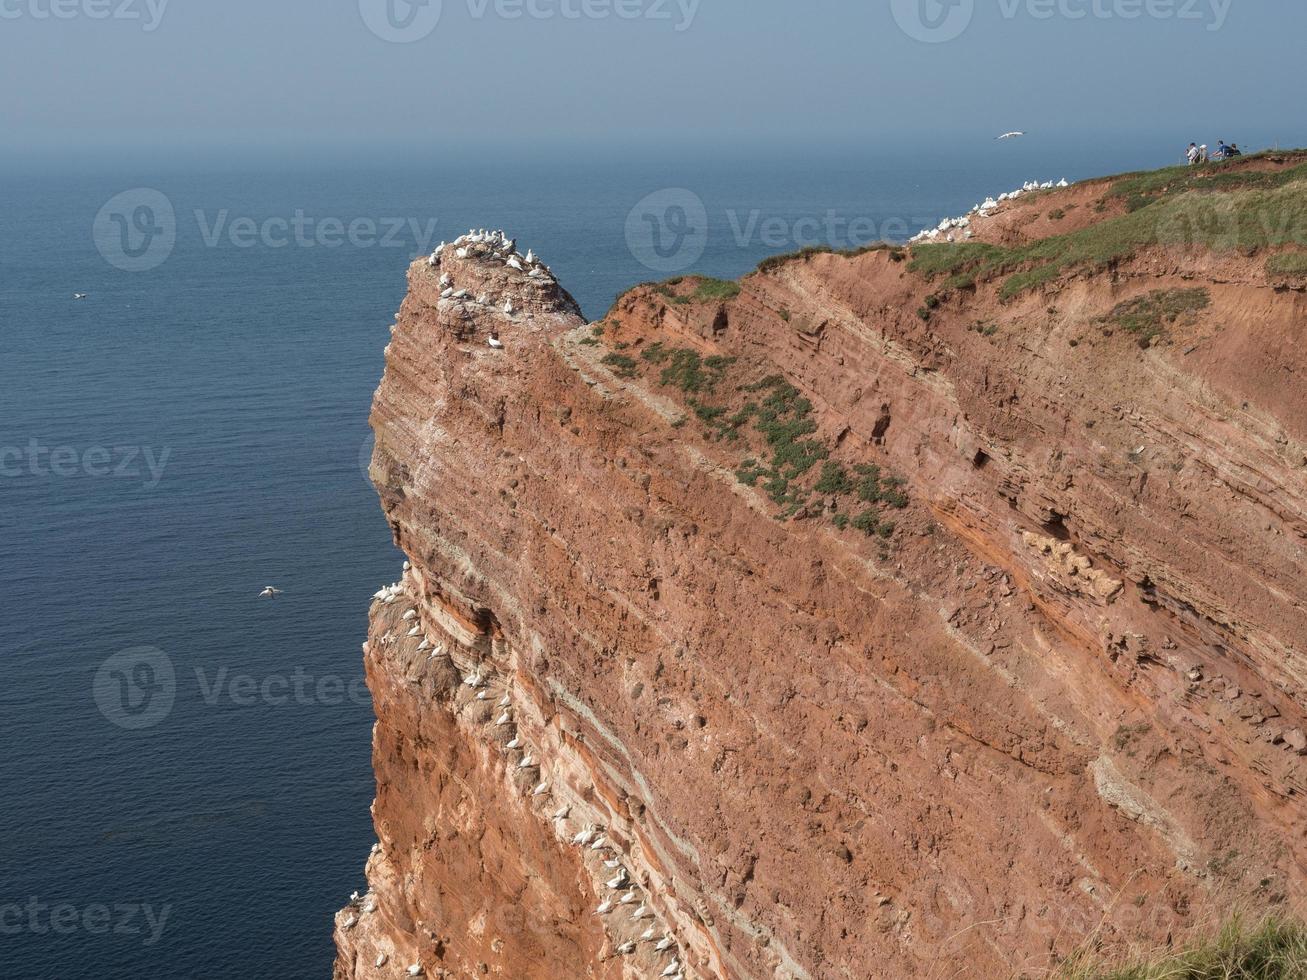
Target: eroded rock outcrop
[1027, 659]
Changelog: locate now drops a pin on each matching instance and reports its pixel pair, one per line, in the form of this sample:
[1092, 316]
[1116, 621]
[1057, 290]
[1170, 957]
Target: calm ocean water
[193, 432]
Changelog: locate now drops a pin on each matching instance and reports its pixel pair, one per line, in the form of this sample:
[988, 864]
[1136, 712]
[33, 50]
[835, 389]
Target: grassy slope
[1213, 207]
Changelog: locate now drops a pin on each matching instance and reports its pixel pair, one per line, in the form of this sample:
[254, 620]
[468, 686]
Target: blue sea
[186, 767]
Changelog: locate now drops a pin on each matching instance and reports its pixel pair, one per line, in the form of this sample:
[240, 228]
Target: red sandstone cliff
[1058, 688]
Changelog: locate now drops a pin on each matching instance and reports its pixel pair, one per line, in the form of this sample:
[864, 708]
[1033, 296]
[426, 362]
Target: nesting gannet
[531, 257]
[665, 944]
[643, 912]
[515, 744]
[541, 790]
[415, 631]
[1063, 183]
[495, 343]
[626, 949]
[423, 645]
[483, 696]
[350, 923]
[269, 593]
[584, 837]
[376, 849]
[447, 292]
[382, 960]
[409, 616]
[370, 905]
[599, 844]
[528, 762]
[506, 702]
[605, 908]
[504, 719]
[562, 812]
[628, 898]
[673, 968]
[415, 970]
[516, 263]
[613, 865]
[462, 253]
[508, 308]
[617, 882]
[647, 935]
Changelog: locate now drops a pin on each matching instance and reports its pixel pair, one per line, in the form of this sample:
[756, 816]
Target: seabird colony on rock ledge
[981, 211]
[489, 246]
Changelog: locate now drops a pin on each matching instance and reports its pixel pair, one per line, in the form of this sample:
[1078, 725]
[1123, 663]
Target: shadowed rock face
[1063, 692]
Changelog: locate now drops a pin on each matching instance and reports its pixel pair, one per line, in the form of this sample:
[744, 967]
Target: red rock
[776, 727]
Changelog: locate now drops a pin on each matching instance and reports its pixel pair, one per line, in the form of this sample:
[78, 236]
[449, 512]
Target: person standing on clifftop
[1193, 154]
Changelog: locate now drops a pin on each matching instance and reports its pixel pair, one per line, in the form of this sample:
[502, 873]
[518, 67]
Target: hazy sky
[245, 77]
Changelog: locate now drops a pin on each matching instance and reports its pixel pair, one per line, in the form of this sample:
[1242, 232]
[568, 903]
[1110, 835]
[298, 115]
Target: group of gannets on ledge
[493, 246]
[948, 225]
[592, 838]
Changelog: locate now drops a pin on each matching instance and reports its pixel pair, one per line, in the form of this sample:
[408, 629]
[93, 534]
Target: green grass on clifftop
[1273, 949]
[1200, 207]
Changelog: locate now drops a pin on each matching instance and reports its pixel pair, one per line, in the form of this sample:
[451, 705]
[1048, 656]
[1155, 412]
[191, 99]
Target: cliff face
[846, 626]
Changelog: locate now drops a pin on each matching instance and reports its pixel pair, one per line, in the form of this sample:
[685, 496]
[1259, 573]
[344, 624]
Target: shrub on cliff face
[1148, 316]
[1272, 949]
[1287, 264]
[623, 366]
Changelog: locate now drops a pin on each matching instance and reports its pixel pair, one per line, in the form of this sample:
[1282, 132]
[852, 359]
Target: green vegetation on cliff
[1272, 949]
[1208, 207]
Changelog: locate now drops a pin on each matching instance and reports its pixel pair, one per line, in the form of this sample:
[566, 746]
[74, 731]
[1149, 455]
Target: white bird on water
[269, 593]
[1009, 136]
[79, 296]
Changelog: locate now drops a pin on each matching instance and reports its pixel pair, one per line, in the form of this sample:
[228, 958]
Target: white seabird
[1009, 136]
[415, 970]
[617, 882]
[508, 308]
[626, 949]
[381, 960]
[515, 744]
[527, 762]
[79, 295]
[628, 898]
[667, 943]
[673, 968]
[542, 789]
[504, 719]
[269, 593]
[605, 908]
[643, 912]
